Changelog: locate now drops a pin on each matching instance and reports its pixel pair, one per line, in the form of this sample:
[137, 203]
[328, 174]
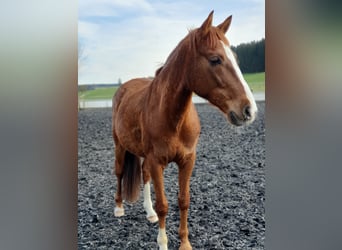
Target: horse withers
[155, 121]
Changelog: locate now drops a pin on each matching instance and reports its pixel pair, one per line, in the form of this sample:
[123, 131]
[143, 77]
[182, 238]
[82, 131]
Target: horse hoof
[153, 218]
[118, 212]
[185, 246]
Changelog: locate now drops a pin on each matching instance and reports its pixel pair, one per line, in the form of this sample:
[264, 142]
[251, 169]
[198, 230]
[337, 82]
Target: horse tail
[131, 178]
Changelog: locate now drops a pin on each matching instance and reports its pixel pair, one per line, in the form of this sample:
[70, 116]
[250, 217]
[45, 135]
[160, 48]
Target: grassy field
[99, 93]
[256, 81]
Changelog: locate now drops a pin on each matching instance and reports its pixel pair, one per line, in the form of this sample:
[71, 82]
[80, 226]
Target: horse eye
[215, 61]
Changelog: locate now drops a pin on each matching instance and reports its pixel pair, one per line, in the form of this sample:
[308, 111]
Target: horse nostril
[247, 112]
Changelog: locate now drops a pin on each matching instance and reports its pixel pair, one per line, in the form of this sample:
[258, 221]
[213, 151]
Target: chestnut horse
[155, 120]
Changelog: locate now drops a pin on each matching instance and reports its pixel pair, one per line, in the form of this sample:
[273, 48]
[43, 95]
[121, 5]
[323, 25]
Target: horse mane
[179, 57]
[158, 70]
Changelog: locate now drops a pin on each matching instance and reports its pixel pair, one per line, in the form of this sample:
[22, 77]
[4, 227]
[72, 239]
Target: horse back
[131, 92]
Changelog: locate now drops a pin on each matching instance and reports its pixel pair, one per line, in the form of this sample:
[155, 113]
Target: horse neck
[171, 95]
[169, 89]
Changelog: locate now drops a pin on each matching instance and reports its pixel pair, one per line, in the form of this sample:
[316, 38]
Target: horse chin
[236, 120]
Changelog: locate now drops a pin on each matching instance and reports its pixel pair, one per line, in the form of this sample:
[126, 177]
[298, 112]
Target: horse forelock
[212, 38]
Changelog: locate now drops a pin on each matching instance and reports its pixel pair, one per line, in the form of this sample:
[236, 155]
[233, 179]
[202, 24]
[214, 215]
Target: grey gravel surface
[227, 209]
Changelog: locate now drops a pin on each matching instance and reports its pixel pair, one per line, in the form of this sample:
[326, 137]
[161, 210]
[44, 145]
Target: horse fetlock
[151, 215]
[183, 234]
[185, 246]
[148, 207]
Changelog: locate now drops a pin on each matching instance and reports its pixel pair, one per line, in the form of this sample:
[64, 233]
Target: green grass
[98, 93]
[256, 81]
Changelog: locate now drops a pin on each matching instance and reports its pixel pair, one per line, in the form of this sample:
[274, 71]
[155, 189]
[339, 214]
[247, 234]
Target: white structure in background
[107, 103]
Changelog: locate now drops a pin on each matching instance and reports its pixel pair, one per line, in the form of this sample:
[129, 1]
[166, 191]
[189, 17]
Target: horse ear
[225, 25]
[207, 23]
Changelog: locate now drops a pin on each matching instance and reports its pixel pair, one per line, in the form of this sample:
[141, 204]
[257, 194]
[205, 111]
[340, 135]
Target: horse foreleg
[150, 213]
[161, 203]
[118, 165]
[185, 170]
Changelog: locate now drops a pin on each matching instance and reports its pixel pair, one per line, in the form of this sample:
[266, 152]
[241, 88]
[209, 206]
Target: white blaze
[248, 91]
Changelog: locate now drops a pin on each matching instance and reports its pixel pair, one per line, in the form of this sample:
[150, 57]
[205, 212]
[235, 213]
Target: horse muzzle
[246, 117]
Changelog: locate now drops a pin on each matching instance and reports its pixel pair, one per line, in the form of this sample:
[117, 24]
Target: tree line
[251, 56]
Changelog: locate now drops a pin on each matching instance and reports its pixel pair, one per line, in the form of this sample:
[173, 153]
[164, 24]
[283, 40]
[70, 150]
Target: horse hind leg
[161, 201]
[118, 169]
[151, 215]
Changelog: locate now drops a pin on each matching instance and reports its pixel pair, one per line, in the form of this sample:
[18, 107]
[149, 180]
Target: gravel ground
[227, 209]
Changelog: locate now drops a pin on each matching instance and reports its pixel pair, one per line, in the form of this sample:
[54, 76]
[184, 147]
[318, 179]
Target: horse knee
[184, 202]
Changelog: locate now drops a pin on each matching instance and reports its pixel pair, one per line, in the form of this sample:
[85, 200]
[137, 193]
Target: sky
[125, 39]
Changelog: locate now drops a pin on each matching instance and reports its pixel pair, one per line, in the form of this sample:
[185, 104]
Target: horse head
[216, 76]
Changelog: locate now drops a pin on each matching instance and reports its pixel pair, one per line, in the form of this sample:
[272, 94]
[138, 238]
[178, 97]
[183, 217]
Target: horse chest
[173, 144]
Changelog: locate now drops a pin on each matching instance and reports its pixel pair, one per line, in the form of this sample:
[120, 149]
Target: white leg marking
[119, 211]
[248, 91]
[162, 239]
[151, 214]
